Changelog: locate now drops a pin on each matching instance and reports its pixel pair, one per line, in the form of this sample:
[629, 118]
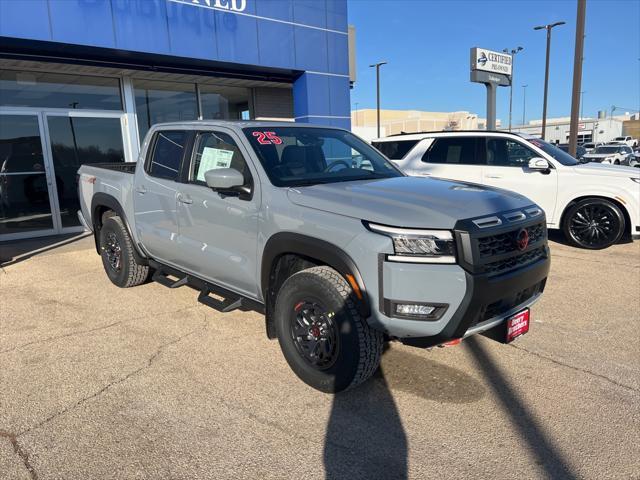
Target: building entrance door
[27, 201]
[40, 153]
[78, 138]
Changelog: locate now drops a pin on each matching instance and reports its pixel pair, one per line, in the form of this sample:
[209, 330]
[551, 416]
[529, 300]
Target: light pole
[546, 71]
[377, 66]
[514, 51]
[582, 103]
[524, 102]
[577, 77]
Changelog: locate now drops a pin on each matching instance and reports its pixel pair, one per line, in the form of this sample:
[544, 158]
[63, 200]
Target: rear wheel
[116, 250]
[594, 223]
[322, 336]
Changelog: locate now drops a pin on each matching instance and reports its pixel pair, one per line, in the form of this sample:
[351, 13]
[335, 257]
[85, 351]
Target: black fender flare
[329, 254]
[100, 200]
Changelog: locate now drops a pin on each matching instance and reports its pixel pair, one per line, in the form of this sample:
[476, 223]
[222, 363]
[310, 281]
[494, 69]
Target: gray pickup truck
[320, 232]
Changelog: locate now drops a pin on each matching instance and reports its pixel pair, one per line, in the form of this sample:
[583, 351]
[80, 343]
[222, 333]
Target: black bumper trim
[482, 291]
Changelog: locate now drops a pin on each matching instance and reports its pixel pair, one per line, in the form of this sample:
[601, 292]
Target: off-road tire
[359, 346]
[129, 272]
[616, 223]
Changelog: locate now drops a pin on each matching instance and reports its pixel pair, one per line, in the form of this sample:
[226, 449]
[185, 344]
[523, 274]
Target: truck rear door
[155, 191]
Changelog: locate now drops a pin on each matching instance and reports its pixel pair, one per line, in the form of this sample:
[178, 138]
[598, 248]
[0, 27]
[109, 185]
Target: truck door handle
[184, 198]
[141, 189]
[493, 176]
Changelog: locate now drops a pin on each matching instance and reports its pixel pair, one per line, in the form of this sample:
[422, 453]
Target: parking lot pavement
[100, 383]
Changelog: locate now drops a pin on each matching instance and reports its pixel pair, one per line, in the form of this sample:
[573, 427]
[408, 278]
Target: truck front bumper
[471, 303]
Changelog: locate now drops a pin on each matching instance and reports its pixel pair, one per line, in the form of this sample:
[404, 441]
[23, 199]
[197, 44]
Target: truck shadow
[547, 454]
[365, 438]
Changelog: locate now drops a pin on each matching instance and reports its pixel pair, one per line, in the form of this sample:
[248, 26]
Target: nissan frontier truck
[317, 230]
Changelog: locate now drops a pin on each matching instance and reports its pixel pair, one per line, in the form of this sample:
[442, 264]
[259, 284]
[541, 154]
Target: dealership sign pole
[494, 69]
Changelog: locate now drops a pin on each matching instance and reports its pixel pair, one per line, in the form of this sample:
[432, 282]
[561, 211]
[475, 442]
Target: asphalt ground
[102, 383]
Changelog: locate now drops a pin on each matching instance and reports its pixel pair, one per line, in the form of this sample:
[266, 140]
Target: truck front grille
[500, 252]
[517, 261]
[502, 243]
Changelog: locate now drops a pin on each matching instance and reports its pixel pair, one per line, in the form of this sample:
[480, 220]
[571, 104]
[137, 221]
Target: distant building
[601, 129]
[364, 122]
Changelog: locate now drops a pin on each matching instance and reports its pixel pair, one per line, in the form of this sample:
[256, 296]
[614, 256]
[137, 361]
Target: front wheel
[594, 223]
[324, 339]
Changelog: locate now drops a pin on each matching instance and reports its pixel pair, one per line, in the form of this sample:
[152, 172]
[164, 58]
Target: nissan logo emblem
[522, 239]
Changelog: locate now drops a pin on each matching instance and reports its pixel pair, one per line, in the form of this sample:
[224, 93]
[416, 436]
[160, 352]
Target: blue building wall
[305, 36]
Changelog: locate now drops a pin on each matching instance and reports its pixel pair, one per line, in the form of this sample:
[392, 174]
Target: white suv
[594, 204]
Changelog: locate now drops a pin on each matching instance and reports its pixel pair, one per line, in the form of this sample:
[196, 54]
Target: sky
[427, 43]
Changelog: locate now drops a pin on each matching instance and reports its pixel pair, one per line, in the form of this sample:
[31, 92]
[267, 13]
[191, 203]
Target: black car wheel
[594, 223]
[324, 339]
[116, 250]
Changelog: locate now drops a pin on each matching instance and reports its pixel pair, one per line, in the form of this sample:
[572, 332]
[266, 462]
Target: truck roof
[236, 124]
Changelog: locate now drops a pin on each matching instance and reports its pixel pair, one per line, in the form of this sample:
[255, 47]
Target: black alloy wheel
[315, 335]
[594, 224]
[113, 252]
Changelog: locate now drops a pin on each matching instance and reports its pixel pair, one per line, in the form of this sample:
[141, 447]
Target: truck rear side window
[395, 150]
[167, 154]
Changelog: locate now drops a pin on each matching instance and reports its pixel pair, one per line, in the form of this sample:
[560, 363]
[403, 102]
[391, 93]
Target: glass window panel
[453, 151]
[225, 103]
[20, 145]
[57, 90]
[216, 150]
[396, 150]
[24, 203]
[158, 102]
[24, 197]
[74, 142]
[167, 154]
[507, 153]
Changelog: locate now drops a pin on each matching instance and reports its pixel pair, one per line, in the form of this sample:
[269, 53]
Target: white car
[627, 140]
[614, 154]
[594, 205]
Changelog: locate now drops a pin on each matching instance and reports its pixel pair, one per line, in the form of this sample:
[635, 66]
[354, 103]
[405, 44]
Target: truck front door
[218, 233]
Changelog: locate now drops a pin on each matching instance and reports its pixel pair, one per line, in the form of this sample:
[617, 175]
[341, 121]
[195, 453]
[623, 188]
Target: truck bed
[112, 179]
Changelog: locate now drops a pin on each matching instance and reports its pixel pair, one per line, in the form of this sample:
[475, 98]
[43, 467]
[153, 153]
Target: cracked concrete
[106, 383]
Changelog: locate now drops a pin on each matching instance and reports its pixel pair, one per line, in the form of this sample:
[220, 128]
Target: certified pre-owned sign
[490, 61]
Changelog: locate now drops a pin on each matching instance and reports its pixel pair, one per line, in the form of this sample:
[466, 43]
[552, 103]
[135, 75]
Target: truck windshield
[563, 157]
[297, 156]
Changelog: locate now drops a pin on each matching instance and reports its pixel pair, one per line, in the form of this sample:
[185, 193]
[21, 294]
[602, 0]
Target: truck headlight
[418, 246]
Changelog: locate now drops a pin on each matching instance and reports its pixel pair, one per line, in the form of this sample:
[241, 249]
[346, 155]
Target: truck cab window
[167, 154]
[215, 150]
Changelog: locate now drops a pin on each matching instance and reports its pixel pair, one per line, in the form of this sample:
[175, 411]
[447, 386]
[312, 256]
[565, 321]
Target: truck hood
[607, 170]
[415, 202]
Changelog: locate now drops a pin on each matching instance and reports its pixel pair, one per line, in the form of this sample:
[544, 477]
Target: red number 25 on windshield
[267, 138]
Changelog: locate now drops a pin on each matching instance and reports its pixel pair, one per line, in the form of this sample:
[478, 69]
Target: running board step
[163, 279]
[226, 305]
[226, 300]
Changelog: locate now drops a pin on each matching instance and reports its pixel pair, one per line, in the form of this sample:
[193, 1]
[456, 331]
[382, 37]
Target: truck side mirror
[226, 180]
[538, 163]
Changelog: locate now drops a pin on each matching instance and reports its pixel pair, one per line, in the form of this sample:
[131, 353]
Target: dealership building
[81, 81]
